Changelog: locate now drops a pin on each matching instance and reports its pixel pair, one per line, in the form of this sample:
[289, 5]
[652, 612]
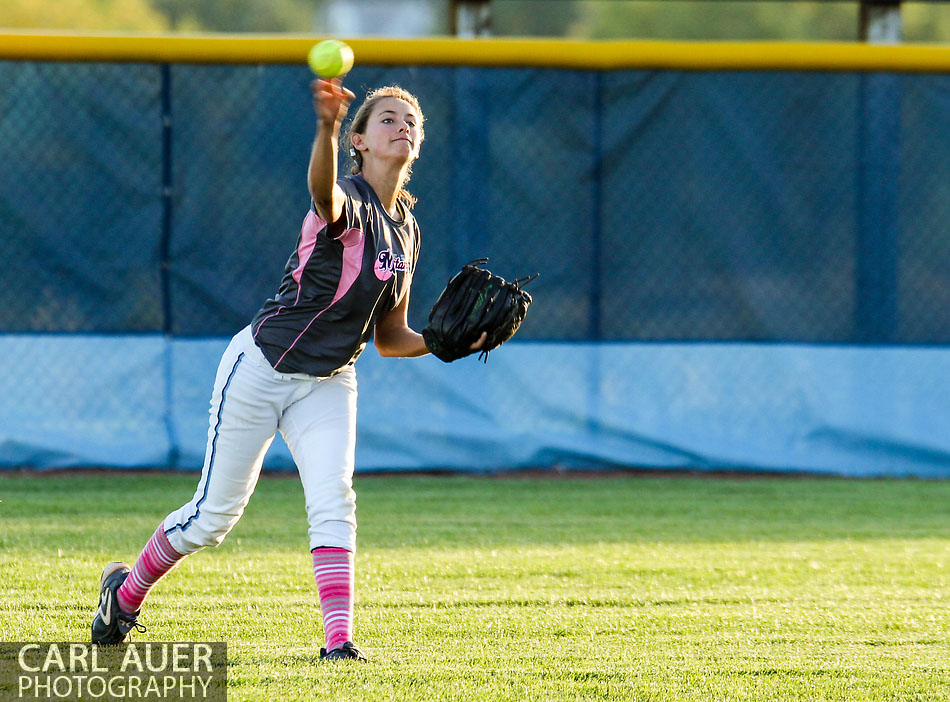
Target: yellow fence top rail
[542, 53]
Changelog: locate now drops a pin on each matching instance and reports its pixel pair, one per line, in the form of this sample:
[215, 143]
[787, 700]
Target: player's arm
[394, 338]
[330, 101]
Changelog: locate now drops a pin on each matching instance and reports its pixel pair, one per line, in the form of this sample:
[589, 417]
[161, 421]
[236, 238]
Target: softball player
[292, 368]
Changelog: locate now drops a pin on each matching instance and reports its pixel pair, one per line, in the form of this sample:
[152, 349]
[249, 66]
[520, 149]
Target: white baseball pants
[250, 402]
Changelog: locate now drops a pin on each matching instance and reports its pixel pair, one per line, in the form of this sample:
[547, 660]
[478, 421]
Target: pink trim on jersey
[313, 224]
[352, 240]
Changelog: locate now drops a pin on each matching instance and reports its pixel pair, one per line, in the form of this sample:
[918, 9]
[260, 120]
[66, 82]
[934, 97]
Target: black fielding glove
[475, 301]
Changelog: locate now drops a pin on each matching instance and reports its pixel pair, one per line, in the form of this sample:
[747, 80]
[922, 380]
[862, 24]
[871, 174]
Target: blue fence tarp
[759, 259]
[844, 410]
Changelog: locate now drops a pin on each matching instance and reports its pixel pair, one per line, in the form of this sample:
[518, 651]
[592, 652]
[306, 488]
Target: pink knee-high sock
[333, 571]
[157, 559]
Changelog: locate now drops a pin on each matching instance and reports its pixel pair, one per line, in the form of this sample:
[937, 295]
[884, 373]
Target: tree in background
[702, 19]
[706, 19]
[87, 15]
[240, 15]
[553, 18]
[162, 15]
[582, 19]
[676, 19]
[926, 22]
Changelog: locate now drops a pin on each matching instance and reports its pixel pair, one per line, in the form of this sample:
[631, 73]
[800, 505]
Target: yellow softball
[330, 58]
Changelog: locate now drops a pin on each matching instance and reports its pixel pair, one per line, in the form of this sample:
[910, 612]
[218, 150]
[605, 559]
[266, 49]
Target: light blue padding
[194, 365]
[71, 401]
[852, 411]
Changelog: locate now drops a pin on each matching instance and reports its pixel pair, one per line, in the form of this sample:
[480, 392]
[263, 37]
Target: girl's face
[393, 132]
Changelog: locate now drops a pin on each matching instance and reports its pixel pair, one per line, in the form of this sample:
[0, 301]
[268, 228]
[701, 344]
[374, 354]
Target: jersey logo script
[389, 263]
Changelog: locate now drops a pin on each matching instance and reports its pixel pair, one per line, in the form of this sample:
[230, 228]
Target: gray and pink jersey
[342, 278]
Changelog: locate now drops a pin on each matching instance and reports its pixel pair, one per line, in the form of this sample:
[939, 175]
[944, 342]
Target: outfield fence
[744, 248]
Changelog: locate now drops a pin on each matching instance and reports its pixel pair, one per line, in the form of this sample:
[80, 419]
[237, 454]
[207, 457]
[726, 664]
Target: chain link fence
[658, 206]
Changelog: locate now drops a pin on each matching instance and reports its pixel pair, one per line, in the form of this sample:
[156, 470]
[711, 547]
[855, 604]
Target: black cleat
[111, 625]
[347, 651]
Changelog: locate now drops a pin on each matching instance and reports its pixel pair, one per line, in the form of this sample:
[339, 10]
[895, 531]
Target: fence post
[165, 253]
[472, 168]
[880, 21]
[879, 106]
[470, 18]
[595, 325]
[876, 289]
[595, 329]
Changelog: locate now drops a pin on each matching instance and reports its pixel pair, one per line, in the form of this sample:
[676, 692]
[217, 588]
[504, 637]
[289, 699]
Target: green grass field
[616, 588]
